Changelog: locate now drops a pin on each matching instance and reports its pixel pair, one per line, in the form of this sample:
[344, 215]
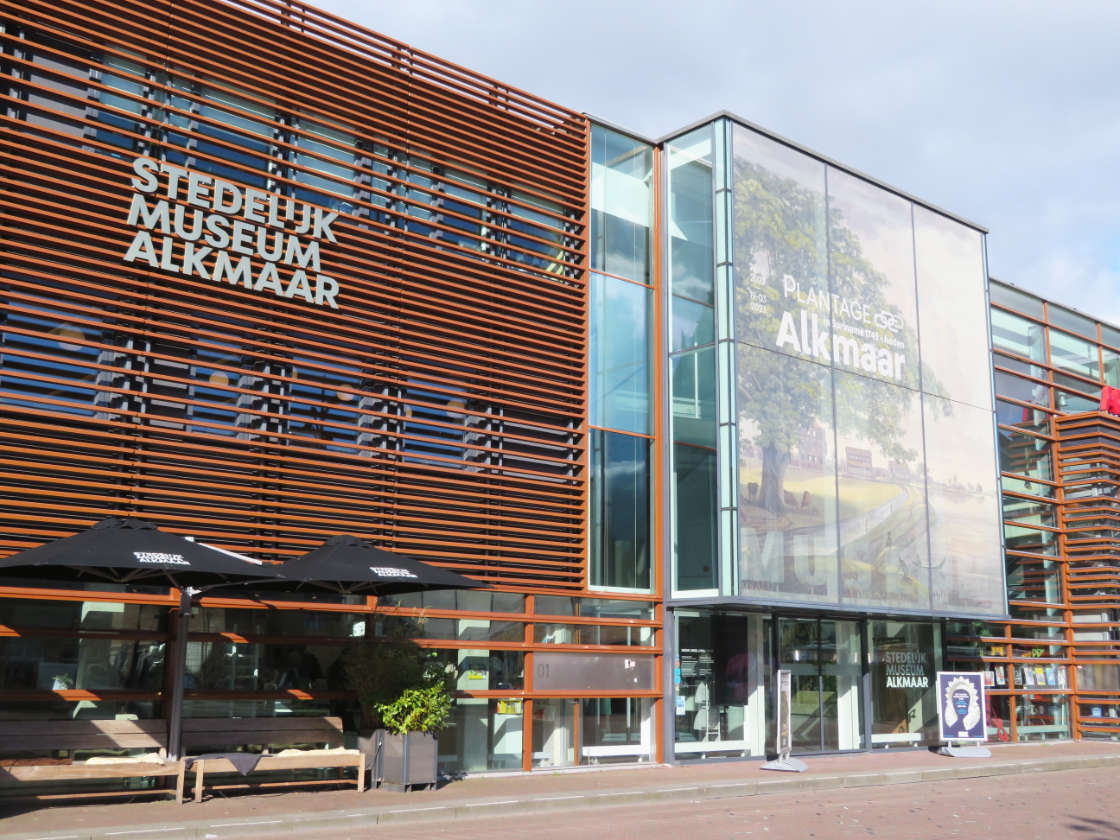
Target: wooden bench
[87, 736]
[265, 733]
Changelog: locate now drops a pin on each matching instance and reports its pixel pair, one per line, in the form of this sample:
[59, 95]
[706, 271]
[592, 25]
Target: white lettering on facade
[247, 222]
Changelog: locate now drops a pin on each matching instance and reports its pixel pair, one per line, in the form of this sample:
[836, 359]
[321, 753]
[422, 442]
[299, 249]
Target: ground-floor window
[856, 683]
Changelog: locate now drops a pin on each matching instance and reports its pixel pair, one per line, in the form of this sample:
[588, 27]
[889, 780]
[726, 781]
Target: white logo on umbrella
[390, 571]
[159, 557]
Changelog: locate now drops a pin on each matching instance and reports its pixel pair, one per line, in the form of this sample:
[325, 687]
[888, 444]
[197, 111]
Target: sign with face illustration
[961, 706]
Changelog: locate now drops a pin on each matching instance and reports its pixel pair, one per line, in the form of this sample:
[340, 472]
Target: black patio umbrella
[118, 550]
[126, 550]
[351, 566]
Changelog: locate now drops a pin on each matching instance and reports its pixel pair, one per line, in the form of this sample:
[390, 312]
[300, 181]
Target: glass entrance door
[823, 658]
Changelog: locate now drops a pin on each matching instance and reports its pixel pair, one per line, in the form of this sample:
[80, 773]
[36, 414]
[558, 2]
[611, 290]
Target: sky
[1004, 112]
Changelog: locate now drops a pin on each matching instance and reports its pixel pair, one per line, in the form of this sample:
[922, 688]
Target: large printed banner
[961, 708]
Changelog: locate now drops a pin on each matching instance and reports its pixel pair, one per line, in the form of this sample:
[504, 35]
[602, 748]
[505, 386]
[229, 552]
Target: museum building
[691, 409]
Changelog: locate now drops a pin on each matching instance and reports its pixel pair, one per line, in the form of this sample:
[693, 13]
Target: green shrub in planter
[425, 708]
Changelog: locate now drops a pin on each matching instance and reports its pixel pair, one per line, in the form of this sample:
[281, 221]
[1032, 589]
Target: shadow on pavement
[1093, 829]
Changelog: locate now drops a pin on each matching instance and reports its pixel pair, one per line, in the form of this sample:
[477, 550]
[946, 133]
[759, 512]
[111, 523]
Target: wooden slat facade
[439, 409]
[1088, 465]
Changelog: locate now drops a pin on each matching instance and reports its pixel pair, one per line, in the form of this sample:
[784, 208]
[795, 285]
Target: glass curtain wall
[692, 361]
[621, 308]
[864, 426]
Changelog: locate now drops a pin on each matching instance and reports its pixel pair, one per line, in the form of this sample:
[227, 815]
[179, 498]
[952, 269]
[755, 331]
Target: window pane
[1024, 454]
[1016, 299]
[619, 385]
[327, 159]
[952, 309]
[483, 734]
[690, 215]
[694, 534]
[621, 204]
[693, 324]
[1074, 354]
[1020, 336]
[884, 547]
[620, 529]
[1033, 579]
[694, 397]
[1068, 320]
[963, 502]
[904, 660]
[1024, 390]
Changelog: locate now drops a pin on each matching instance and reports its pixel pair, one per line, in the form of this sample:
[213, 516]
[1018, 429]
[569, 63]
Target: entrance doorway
[823, 656]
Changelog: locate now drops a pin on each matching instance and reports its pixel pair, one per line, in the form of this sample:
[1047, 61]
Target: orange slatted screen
[267, 277]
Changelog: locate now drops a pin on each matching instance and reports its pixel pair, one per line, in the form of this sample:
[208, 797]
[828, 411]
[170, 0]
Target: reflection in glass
[554, 726]
[883, 533]
[483, 734]
[1111, 367]
[871, 260]
[621, 204]
[620, 529]
[1074, 354]
[1024, 390]
[467, 600]
[690, 215]
[592, 634]
[823, 656]
[1068, 320]
[57, 664]
[694, 532]
[592, 607]
[619, 386]
[692, 324]
[962, 496]
[1070, 402]
[780, 252]
[951, 308]
[714, 686]
[1033, 540]
[1033, 579]
[1024, 454]
[693, 381]
[615, 730]
[1042, 717]
[1018, 335]
[1016, 299]
[787, 483]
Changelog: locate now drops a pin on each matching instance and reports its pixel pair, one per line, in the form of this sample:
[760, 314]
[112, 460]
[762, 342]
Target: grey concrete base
[965, 752]
[788, 765]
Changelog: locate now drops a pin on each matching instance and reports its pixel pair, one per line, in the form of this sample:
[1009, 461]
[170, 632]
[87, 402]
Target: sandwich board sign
[962, 713]
[783, 735]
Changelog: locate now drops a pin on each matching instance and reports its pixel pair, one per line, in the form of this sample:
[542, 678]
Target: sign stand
[784, 692]
[962, 714]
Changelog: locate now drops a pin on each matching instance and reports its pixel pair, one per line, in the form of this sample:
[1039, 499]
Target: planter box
[400, 762]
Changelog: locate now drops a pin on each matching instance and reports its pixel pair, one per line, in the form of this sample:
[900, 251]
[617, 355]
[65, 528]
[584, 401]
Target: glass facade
[849, 447]
[620, 377]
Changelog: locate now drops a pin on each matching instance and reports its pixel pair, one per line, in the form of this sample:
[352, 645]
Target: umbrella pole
[179, 664]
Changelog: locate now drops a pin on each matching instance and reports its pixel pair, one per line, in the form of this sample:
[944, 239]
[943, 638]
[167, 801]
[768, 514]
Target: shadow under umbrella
[128, 551]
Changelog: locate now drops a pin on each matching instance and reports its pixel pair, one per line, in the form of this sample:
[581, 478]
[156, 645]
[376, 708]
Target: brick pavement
[529, 797]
